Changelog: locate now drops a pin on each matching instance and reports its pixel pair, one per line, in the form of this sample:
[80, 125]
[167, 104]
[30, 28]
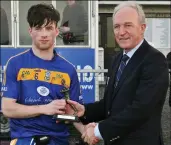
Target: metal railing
[99, 76]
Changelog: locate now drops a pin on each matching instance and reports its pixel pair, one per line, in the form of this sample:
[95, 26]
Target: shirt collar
[132, 51]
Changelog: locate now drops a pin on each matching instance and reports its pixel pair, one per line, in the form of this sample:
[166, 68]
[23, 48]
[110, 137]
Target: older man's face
[127, 28]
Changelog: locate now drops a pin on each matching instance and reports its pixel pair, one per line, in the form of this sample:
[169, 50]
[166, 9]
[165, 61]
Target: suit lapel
[112, 74]
[114, 70]
[135, 60]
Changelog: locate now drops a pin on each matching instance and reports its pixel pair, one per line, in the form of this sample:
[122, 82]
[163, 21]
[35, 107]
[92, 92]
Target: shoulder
[16, 59]
[154, 61]
[155, 53]
[66, 63]
[169, 55]
[150, 52]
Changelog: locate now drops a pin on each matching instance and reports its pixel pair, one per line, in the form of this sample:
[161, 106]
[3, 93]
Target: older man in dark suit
[130, 113]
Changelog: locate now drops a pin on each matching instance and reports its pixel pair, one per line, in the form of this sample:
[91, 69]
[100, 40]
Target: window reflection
[5, 8]
[73, 25]
[74, 22]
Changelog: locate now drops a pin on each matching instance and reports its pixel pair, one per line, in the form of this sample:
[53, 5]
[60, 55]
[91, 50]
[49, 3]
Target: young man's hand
[54, 107]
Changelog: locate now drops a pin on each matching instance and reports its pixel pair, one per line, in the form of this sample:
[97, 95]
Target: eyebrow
[124, 23]
[128, 23]
[49, 26]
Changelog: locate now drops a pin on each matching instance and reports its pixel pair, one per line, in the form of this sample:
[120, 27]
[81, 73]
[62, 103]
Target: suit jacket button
[108, 112]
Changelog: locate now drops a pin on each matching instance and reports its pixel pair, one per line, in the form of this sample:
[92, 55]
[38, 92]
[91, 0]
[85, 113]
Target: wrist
[40, 109]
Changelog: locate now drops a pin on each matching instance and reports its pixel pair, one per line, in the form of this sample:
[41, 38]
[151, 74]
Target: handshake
[88, 134]
[87, 131]
[71, 108]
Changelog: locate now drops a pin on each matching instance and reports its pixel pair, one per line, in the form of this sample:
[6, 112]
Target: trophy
[65, 117]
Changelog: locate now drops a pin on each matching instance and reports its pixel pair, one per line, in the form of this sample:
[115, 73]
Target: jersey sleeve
[10, 84]
[75, 91]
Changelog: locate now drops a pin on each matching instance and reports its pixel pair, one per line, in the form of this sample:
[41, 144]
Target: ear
[57, 31]
[143, 28]
[30, 31]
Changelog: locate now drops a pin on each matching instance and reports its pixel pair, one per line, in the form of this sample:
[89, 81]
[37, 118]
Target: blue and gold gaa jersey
[34, 81]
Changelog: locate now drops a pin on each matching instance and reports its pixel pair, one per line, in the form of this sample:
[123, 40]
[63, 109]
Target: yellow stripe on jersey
[13, 142]
[52, 77]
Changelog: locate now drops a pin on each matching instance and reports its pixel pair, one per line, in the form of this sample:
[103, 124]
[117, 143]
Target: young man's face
[44, 37]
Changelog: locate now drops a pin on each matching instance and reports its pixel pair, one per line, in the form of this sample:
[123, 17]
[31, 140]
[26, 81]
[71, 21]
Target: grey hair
[133, 5]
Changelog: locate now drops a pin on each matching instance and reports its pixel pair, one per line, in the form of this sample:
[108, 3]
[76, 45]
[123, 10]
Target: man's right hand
[54, 107]
[80, 108]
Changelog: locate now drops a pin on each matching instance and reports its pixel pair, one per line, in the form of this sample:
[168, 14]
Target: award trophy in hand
[65, 117]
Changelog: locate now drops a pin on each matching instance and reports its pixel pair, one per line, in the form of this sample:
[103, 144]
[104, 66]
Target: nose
[43, 33]
[122, 30]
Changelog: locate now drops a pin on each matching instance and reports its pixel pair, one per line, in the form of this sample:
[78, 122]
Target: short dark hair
[41, 13]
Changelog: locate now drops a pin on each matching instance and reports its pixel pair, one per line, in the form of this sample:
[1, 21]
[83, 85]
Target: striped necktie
[121, 68]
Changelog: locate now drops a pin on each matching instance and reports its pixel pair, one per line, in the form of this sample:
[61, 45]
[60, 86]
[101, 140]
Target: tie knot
[125, 58]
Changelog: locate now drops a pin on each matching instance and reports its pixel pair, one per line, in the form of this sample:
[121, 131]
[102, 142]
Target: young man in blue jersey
[33, 81]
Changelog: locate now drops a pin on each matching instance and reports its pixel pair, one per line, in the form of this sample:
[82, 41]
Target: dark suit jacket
[169, 65]
[131, 113]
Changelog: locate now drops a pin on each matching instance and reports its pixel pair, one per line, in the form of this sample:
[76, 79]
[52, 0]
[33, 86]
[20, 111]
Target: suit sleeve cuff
[83, 118]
